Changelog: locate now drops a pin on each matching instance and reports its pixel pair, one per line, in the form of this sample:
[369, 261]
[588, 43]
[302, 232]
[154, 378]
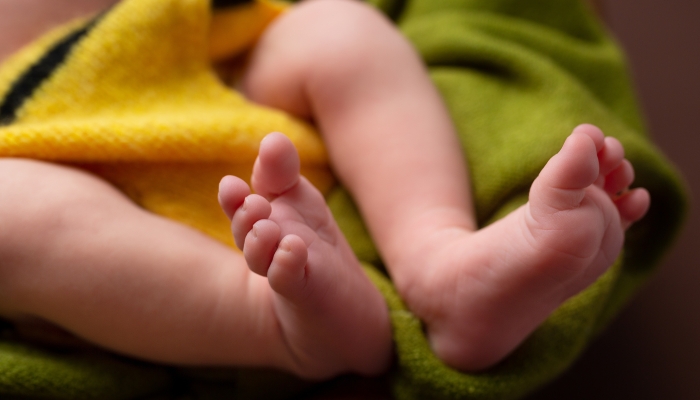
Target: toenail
[284, 245]
[244, 206]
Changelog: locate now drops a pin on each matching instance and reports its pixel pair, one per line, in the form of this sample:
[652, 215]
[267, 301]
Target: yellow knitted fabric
[137, 102]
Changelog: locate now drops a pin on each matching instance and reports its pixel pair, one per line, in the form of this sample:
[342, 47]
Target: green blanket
[517, 76]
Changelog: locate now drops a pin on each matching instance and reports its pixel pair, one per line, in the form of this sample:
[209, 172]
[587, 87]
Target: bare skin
[315, 313]
[421, 217]
[316, 283]
[500, 281]
[23, 21]
[504, 280]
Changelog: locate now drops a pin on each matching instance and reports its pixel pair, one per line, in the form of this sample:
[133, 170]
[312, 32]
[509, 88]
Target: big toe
[562, 182]
[277, 167]
[576, 165]
[593, 132]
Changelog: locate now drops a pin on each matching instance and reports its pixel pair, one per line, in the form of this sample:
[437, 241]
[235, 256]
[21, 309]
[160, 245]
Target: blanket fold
[132, 96]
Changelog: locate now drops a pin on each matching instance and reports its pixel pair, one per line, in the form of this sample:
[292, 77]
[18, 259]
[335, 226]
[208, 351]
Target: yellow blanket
[149, 115]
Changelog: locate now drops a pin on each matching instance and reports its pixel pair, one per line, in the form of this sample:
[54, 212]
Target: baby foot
[486, 291]
[332, 318]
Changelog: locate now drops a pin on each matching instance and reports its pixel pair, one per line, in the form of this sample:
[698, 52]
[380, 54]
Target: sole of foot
[331, 317]
[487, 291]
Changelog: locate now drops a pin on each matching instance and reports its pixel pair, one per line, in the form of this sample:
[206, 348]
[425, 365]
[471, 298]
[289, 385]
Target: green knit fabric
[517, 76]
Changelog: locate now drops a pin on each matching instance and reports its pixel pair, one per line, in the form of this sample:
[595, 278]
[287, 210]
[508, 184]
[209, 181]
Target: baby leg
[76, 253]
[489, 289]
[332, 317]
[391, 142]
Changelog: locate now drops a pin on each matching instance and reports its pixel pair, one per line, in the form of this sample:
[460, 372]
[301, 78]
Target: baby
[77, 253]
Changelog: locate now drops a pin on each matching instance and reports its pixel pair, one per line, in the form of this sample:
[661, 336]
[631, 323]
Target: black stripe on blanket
[217, 4]
[26, 85]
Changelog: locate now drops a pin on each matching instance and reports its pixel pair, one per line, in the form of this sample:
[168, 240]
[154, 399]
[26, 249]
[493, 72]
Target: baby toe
[232, 192]
[277, 167]
[287, 273]
[632, 206]
[593, 132]
[610, 156]
[619, 179]
[251, 210]
[561, 183]
[260, 246]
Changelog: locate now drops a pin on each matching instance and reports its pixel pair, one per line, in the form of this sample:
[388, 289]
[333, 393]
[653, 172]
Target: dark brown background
[652, 350]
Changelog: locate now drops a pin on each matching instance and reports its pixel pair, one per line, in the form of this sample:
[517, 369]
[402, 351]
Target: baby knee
[319, 49]
[344, 22]
[342, 34]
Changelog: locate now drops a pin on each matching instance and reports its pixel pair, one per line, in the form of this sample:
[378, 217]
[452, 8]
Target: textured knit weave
[131, 96]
